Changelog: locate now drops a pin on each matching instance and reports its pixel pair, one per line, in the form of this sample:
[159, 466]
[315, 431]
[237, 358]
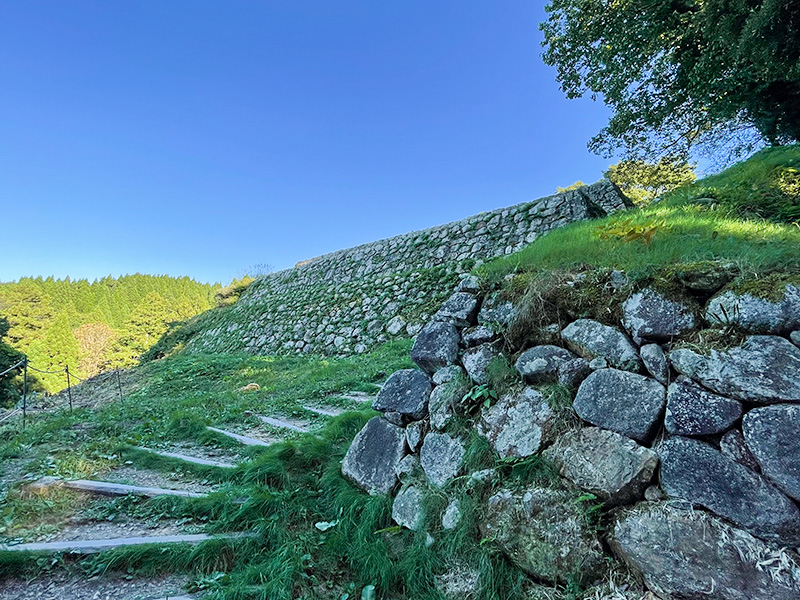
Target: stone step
[94, 546]
[281, 424]
[190, 459]
[107, 488]
[356, 396]
[327, 411]
[242, 439]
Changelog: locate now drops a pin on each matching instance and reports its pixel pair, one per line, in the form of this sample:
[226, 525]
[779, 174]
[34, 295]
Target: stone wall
[677, 420]
[351, 300]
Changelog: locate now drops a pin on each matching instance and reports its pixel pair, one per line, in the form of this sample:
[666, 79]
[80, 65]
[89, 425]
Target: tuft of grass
[27, 516]
[502, 375]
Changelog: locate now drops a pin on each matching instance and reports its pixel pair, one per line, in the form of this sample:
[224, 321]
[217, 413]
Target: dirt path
[144, 477]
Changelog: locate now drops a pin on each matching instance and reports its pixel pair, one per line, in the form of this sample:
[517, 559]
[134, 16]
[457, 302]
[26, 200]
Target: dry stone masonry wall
[349, 301]
[689, 448]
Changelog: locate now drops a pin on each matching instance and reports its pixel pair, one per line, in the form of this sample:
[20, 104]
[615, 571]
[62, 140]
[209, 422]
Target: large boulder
[591, 339]
[764, 370]
[612, 467]
[685, 554]
[407, 508]
[436, 346]
[459, 309]
[691, 410]
[696, 472]
[757, 315]
[518, 424]
[374, 456]
[772, 434]
[647, 315]
[543, 532]
[476, 362]
[541, 363]
[406, 394]
[441, 457]
[624, 402]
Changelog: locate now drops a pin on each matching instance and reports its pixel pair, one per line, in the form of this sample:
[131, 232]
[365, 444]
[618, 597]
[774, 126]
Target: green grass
[765, 186]
[288, 488]
[736, 226]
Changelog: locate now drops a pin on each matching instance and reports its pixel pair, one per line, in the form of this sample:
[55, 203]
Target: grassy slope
[681, 230]
[294, 486]
[291, 487]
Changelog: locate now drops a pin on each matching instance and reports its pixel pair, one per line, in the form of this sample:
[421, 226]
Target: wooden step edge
[187, 458]
[242, 439]
[281, 424]
[108, 488]
[325, 412]
[100, 545]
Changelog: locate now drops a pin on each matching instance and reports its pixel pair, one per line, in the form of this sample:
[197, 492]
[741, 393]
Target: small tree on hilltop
[643, 182]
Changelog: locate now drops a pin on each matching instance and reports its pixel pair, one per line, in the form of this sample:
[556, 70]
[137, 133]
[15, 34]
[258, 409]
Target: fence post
[24, 391]
[119, 386]
[69, 388]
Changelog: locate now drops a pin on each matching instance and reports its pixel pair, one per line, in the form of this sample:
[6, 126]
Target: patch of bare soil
[64, 587]
[122, 527]
[170, 481]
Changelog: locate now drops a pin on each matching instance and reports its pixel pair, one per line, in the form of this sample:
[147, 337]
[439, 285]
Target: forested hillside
[94, 326]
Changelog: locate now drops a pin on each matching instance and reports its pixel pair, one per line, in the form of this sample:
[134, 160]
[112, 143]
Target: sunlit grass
[279, 494]
[641, 241]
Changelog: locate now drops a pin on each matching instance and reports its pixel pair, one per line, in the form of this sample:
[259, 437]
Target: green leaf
[368, 593]
[325, 525]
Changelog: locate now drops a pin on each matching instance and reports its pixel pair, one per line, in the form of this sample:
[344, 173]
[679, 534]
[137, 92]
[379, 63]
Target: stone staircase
[255, 430]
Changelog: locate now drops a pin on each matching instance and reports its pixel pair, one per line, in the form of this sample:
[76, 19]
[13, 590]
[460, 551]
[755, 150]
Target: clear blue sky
[192, 137]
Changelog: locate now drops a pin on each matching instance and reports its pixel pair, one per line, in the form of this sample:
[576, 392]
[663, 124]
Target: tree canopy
[8, 358]
[677, 73]
[94, 326]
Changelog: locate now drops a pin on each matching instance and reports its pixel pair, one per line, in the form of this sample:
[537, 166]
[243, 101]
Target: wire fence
[25, 364]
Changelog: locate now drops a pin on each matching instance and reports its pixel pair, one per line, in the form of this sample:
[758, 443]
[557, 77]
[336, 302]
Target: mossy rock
[703, 277]
[771, 287]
